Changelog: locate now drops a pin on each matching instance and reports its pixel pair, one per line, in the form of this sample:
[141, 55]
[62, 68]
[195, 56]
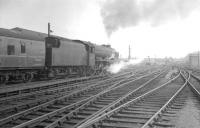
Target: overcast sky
[155, 28]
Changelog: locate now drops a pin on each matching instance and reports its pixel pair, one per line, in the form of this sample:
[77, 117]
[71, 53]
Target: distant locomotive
[26, 54]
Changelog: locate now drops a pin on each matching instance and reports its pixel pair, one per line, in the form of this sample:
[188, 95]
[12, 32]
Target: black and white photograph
[99, 63]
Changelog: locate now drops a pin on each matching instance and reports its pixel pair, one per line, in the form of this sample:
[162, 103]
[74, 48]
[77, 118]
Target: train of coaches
[27, 55]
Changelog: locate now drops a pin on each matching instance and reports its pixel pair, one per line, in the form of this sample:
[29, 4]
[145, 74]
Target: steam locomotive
[26, 54]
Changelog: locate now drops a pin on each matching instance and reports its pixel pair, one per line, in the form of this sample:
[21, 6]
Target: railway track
[181, 111]
[73, 96]
[28, 100]
[69, 102]
[18, 103]
[185, 73]
[136, 112]
[49, 91]
[101, 103]
[195, 81]
[10, 90]
[14, 105]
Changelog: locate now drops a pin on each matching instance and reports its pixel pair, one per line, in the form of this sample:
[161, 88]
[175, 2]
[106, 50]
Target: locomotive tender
[26, 54]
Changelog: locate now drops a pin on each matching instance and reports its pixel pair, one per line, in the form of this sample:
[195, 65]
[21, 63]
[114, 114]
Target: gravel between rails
[71, 102]
[69, 99]
[12, 105]
[182, 111]
[23, 105]
[138, 111]
[18, 103]
[98, 102]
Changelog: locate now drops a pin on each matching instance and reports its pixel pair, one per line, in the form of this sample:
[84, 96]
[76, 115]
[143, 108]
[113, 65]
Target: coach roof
[32, 35]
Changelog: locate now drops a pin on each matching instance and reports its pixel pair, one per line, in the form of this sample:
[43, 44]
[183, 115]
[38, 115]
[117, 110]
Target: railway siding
[149, 85]
[18, 89]
[23, 101]
[155, 99]
[180, 111]
[101, 101]
[18, 103]
[60, 101]
[91, 90]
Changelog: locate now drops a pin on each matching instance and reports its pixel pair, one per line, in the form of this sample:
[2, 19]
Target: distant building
[194, 59]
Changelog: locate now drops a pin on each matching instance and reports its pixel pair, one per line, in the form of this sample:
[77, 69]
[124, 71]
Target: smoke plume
[124, 13]
[118, 66]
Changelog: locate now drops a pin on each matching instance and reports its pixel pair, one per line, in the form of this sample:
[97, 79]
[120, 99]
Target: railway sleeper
[45, 110]
[86, 113]
[117, 125]
[135, 116]
[68, 124]
[163, 124]
[19, 107]
[147, 104]
[79, 117]
[90, 109]
[101, 103]
[124, 121]
[140, 110]
[93, 106]
[136, 112]
[41, 111]
[151, 108]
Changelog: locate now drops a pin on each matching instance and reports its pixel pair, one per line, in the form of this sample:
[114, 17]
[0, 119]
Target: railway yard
[99, 64]
[143, 96]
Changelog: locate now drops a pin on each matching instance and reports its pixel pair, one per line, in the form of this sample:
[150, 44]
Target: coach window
[10, 49]
[23, 48]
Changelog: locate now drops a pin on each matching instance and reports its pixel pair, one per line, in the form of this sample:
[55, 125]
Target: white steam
[116, 67]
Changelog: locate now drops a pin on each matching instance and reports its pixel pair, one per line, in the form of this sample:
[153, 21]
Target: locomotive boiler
[105, 55]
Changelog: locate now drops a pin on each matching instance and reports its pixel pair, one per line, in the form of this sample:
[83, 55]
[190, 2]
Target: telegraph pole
[198, 58]
[49, 29]
[129, 52]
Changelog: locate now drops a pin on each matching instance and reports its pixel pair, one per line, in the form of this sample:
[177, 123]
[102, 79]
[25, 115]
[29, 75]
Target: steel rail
[23, 113]
[123, 99]
[119, 101]
[45, 96]
[51, 90]
[46, 116]
[194, 88]
[197, 81]
[198, 78]
[69, 115]
[126, 104]
[156, 115]
[21, 88]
